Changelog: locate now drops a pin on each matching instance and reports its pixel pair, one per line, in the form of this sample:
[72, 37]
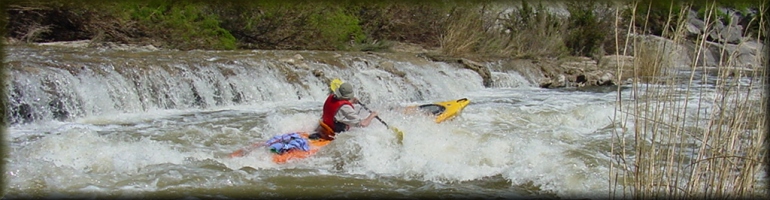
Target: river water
[93, 123]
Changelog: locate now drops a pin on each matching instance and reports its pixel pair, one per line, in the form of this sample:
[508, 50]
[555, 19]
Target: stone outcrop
[682, 55]
[581, 72]
[717, 31]
[389, 67]
[466, 63]
[574, 72]
[479, 68]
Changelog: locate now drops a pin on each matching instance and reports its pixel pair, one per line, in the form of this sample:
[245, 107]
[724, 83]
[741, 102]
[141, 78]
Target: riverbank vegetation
[487, 28]
[669, 146]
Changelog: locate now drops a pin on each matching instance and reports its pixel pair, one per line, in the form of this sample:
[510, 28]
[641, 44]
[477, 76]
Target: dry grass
[671, 145]
[649, 60]
[491, 31]
[464, 32]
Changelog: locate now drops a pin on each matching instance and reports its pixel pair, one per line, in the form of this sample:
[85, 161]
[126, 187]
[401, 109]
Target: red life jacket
[331, 106]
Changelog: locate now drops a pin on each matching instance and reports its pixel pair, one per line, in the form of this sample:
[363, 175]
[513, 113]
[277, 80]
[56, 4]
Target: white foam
[85, 150]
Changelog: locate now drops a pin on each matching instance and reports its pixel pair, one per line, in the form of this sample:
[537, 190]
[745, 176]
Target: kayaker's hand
[368, 120]
[354, 100]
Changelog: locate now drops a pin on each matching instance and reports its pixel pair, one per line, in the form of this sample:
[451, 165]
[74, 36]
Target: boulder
[298, 57]
[717, 31]
[747, 54]
[390, 67]
[482, 70]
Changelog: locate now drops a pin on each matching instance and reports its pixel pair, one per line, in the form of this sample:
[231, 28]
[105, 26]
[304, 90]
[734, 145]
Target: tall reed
[677, 139]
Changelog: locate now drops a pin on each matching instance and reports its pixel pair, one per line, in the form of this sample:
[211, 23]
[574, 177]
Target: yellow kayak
[443, 111]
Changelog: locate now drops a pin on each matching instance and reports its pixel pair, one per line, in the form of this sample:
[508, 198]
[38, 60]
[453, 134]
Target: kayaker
[339, 114]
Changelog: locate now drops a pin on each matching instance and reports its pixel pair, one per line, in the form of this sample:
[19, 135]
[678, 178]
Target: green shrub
[756, 25]
[586, 33]
[336, 28]
[709, 11]
[181, 25]
[285, 25]
[265, 25]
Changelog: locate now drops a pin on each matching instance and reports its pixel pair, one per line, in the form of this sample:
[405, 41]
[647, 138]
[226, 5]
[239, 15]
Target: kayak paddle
[399, 134]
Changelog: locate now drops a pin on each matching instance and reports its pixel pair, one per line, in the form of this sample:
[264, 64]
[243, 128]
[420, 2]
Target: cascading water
[76, 84]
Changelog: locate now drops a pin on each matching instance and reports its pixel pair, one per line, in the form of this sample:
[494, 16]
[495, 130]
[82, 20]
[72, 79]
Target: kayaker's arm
[368, 120]
[350, 116]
